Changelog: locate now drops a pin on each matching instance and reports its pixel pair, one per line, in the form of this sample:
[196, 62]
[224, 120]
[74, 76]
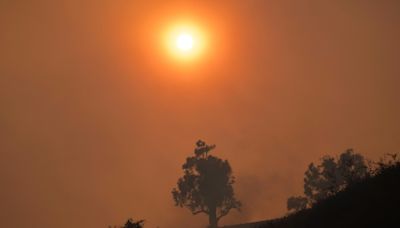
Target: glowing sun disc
[184, 42]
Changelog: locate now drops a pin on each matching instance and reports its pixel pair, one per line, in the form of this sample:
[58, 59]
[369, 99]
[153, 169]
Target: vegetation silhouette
[207, 185]
[370, 202]
[130, 223]
[328, 178]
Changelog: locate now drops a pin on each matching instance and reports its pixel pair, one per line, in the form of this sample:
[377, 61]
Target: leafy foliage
[297, 203]
[207, 186]
[328, 178]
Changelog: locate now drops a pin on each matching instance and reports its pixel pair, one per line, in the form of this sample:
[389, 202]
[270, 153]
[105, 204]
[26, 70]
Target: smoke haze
[96, 121]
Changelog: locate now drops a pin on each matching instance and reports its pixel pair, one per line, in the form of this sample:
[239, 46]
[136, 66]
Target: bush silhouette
[132, 224]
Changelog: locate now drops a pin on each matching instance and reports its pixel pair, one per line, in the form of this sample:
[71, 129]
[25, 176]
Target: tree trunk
[212, 217]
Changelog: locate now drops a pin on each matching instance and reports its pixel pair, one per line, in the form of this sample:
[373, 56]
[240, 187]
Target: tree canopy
[328, 178]
[206, 186]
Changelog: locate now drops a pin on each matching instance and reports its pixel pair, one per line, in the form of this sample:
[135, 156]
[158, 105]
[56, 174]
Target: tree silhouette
[207, 185]
[328, 178]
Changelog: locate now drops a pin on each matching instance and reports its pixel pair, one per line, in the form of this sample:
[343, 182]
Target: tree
[351, 167]
[321, 181]
[206, 186]
[330, 177]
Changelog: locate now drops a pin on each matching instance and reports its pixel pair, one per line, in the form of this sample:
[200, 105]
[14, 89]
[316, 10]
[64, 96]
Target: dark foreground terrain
[374, 202]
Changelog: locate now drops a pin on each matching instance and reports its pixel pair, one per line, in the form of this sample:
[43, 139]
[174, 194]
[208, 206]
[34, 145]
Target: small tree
[351, 167]
[207, 185]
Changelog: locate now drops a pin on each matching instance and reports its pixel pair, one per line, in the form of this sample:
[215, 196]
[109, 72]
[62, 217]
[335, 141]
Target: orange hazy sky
[96, 119]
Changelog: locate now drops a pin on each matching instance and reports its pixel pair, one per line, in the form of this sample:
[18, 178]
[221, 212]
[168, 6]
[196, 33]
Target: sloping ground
[374, 202]
[266, 223]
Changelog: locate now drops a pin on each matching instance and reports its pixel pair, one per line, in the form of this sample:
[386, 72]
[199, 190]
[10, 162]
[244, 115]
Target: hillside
[374, 202]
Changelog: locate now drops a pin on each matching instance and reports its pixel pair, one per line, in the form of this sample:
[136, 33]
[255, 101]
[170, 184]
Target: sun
[184, 42]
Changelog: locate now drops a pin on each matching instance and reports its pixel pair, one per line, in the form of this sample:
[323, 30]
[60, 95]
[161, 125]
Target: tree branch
[199, 211]
[223, 213]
